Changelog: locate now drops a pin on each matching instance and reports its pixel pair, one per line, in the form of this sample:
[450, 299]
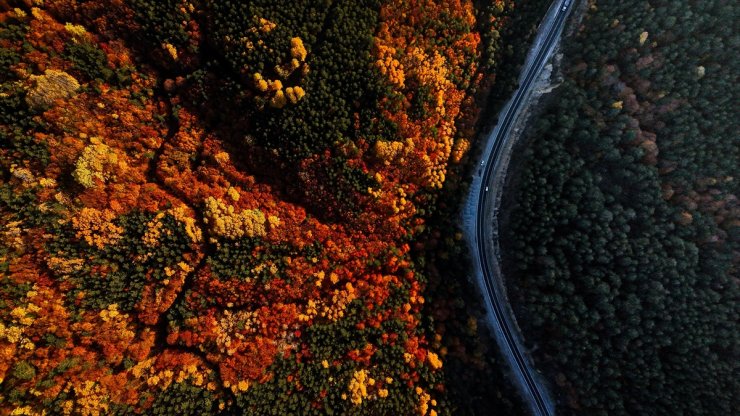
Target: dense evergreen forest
[622, 246]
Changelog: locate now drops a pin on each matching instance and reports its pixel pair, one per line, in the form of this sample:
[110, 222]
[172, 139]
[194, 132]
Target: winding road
[480, 217]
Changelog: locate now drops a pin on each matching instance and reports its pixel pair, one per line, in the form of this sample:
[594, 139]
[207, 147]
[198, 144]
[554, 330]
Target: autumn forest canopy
[250, 207]
[223, 207]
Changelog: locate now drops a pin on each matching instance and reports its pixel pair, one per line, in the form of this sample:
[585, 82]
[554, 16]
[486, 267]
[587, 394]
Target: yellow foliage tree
[278, 100]
[297, 50]
[434, 360]
[51, 86]
[76, 31]
[294, 94]
[358, 386]
[279, 97]
[97, 161]
[387, 151]
[389, 66]
[96, 227]
[224, 221]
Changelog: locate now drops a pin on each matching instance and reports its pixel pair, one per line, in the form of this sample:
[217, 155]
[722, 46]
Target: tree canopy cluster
[622, 247]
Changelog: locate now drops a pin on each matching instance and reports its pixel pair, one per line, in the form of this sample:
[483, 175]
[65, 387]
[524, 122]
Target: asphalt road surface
[483, 208]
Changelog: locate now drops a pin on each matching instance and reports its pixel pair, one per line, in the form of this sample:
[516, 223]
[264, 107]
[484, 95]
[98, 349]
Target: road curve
[480, 216]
